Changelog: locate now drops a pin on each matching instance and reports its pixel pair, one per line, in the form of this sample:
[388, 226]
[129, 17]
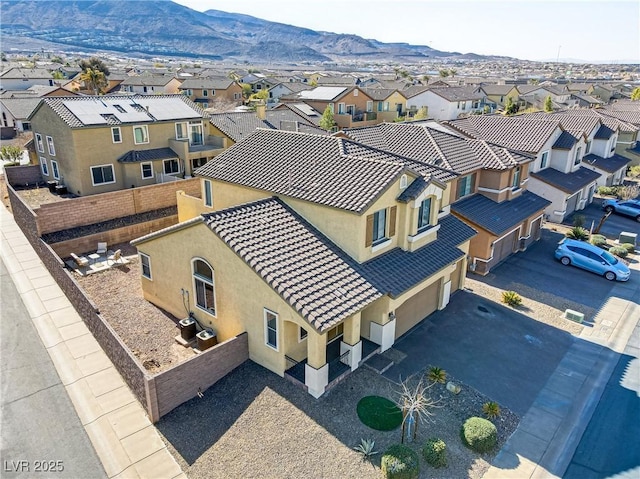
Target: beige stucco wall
[190, 206]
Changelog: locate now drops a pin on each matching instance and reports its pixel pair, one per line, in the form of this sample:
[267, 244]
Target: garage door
[503, 248]
[417, 308]
[571, 204]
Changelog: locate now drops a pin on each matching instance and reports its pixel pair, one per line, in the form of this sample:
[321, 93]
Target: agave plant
[511, 298]
[491, 409]
[578, 233]
[437, 375]
[366, 448]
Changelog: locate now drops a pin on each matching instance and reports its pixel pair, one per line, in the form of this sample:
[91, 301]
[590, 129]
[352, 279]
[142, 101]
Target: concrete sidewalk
[549, 433]
[124, 439]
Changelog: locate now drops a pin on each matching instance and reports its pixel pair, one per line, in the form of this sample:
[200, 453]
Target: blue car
[626, 207]
[592, 258]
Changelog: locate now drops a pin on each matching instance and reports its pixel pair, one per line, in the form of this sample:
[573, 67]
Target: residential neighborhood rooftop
[569, 182]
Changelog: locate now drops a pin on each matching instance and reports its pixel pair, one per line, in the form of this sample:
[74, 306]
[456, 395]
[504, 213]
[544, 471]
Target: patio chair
[102, 248]
[81, 261]
[116, 257]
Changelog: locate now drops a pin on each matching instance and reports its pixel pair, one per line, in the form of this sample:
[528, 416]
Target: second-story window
[205, 93]
[544, 159]
[116, 134]
[140, 134]
[587, 148]
[424, 214]
[50, 145]
[182, 131]
[39, 143]
[208, 196]
[578, 157]
[466, 185]
[379, 226]
[516, 178]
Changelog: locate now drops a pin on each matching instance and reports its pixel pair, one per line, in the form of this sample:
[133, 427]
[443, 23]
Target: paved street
[610, 443]
[41, 433]
[612, 226]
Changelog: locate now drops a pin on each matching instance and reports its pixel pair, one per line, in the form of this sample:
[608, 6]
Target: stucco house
[151, 84]
[490, 193]
[322, 249]
[557, 173]
[446, 103]
[97, 144]
[24, 78]
[209, 91]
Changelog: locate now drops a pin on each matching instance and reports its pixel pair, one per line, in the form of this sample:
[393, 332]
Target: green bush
[511, 298]
[379, 413]
[619, 251]
[598, 240]
[578, 233]
[628, 246]
[479, 434]
[400, 462]
[608, 190]
[437, 375]
[434, 452]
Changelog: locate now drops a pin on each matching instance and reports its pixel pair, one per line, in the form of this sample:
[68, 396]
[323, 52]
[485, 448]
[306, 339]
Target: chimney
[261, 110]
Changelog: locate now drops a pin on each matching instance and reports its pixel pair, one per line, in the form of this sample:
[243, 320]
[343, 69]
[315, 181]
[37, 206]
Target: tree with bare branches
[416, 405]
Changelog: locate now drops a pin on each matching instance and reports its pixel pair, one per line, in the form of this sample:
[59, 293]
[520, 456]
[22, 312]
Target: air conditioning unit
[572, 315]
[627, 237]
[188, 328]
[206, 339]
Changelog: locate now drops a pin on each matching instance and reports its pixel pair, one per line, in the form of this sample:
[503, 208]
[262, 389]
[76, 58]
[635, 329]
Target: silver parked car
[592, 258]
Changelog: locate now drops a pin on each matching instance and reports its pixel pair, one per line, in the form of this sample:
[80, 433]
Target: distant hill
[162, 27]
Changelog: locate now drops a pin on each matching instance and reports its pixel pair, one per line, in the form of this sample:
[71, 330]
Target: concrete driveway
[612, 227]
[496, 350]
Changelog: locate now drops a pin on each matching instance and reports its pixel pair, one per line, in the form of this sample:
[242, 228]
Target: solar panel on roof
[306, 109]
[168, 108]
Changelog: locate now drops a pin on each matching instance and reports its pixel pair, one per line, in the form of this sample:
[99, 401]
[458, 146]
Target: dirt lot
[147, 330]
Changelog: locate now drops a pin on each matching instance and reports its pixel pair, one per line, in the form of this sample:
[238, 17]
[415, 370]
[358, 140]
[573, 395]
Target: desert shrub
[479, 434]
[366, 448]
[491, 409]
[434, 452]
[511, 298]
[578, 220]
[598, 240]
[437, 375]
[400, 462]
[607, 190]
[628, 192]
[628, 246]
[619, 251]
[578, 233]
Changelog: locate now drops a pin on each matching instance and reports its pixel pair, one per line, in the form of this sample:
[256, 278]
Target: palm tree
[94, 80]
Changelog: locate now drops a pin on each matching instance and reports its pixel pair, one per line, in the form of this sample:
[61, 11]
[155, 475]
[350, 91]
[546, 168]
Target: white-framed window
[516, 178]
[466, 184]
[462, 105]
[271, 329]
[145, 265]
[116, 134]
[102, 175]
[140, 134]
[213, 92]
[51, 146]
[182, 131]
[302, 334]
[341, 108]
[189, 92]
[379, 226]
[44, 167]
[195, 133]
[544, 159]
[205, 93]
[424, 214]
[208, 196]
[146, 170]
[39, 143]
[171, 167]
[369, 105]
[587, 148]
[355, 92]
[204, 285]
[578, 157]
[54, 169]
[403, 182]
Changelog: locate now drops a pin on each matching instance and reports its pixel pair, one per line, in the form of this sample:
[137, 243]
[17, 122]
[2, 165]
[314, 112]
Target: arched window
[204, 285]
[403, 182]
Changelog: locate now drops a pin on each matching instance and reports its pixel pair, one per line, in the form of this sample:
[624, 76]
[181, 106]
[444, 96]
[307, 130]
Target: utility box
[188, 328]
[627, 237]
[206, 339]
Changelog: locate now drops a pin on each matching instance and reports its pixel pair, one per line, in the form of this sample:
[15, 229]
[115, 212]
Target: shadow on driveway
[502, 353]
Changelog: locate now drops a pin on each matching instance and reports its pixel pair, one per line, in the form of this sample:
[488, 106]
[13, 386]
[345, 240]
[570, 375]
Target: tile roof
[321, 282]
[20, 108]
[435, 147]
[28, 73]
[569, 119]
[517, 133]
[322, 169]
[397, 270]
[458, 93]
[238, 125]
[567, 182]
[221, 83]
[138, 109]
[136, 156]
[379, 94]
[603, 133]
[414, 190]
[148, 80]
[414, 90]
[610, 165]
[632, 117]
[565, 141]
[492, 89]
[498, 218]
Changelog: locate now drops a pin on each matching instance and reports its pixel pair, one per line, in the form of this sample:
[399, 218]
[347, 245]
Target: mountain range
[165, 28]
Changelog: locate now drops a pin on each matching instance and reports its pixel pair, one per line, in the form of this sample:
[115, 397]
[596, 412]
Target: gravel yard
[256, 424]
[147, 330]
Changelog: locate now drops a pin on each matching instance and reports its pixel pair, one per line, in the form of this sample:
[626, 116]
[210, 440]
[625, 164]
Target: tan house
[208, 92]
[499, 94]
[322, 249]
[388, 103]
[151, 84]
[490, 193]
[96, 144]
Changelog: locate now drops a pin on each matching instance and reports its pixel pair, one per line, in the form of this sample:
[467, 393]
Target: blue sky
[533, 30]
